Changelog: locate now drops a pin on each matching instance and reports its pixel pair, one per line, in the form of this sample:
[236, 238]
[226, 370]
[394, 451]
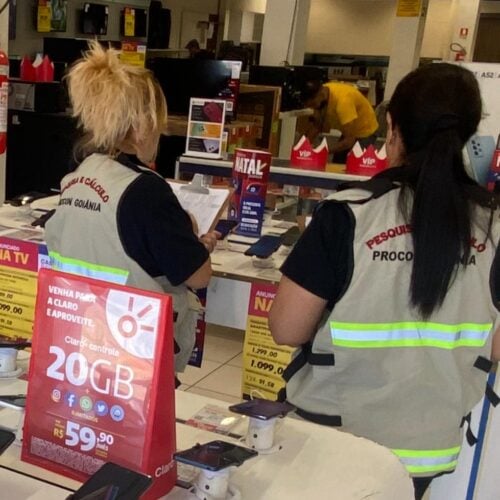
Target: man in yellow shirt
[343, 107]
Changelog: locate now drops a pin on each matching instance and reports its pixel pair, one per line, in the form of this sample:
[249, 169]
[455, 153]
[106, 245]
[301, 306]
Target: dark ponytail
[436, 109]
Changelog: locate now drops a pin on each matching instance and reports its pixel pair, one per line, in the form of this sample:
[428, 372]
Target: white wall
[365, 27]
[178, 7]
[438, 28]
[350, 26]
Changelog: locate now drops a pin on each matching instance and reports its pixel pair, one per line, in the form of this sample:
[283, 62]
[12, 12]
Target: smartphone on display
[265, 246]
[112, 482]
[6, 439]
[290, 237]
[215, 455]
[15, 401]
[224, 227]
[262, 409]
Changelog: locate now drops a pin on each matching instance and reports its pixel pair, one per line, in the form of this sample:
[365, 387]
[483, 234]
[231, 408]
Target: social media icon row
[101, 408]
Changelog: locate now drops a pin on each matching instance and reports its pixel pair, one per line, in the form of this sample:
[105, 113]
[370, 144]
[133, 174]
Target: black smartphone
[224, 226]
[6, 439]
[265, 246]
[263, 409]
[15, 401]
[215, 455]
[111, 482]
[290, 237]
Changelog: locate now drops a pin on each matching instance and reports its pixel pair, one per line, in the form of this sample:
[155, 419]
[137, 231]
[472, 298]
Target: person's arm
[495, 347]
[295, 314]
[314, 275]
[348, 139]
[201, 277]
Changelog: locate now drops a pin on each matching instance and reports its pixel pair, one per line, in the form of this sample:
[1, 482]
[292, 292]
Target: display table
[315, 462]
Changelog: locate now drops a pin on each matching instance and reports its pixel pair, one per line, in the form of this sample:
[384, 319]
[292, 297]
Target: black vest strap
[485, 365]
[492, 395]
[471, 439]
[281, 396]
[307, 356]
[318, 418]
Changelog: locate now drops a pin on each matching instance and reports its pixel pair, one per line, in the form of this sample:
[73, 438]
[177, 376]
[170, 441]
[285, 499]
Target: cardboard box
[260, 104]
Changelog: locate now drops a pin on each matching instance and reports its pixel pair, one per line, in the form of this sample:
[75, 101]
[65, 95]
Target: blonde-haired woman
[117, 220]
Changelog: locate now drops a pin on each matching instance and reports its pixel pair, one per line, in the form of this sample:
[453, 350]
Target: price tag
[263, 360]
[19, 264]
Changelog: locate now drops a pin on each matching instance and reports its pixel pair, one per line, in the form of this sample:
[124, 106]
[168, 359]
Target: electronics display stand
[260, 435]
[215, 485]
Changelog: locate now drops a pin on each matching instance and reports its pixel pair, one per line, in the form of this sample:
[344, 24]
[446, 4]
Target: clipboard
[206, 204]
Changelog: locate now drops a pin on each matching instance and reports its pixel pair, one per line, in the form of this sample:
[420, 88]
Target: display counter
[314, 462]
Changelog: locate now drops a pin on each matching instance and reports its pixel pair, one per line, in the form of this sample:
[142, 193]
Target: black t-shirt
[156, 231]
[321, 261]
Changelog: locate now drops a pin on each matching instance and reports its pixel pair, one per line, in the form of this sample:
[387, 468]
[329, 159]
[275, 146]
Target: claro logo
[163, 469]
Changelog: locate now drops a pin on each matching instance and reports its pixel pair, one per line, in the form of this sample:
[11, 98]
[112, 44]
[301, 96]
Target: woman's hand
[209, 240]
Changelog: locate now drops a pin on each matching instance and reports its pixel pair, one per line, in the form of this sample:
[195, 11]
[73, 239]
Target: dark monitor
[182, 79]
[140, 22]
[94, 19]
[64, 50]
[297, 82]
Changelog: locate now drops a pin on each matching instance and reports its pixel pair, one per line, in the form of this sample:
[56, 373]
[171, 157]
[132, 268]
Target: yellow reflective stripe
[409, 343]
[427, 453]
[416, 469]
[409, 334]
[421, 461]
[412, 325]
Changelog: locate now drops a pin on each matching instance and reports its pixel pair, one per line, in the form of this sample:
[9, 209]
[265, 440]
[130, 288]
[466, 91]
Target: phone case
[215, 455]
[6, 439]
[126, 484]
[15, 401]
[265, 246]
[263, 409]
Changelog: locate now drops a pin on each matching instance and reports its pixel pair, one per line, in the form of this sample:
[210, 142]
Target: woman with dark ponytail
[392, 293]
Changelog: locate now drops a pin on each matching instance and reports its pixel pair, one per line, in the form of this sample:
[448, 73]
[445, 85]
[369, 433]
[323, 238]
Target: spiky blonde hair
[114, 102]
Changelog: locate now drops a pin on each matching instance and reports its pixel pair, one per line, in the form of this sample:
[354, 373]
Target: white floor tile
[183, 387]
[237, 361]
[215, 395]
[226, 380]
[192, 374]
[221, 349]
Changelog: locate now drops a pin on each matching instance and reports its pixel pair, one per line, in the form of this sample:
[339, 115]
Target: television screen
[182, 79]
[140, 23]
[94, 19]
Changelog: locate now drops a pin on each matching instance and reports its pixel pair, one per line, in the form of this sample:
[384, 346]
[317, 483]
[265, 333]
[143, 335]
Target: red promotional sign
[101, 381]
[250, 174]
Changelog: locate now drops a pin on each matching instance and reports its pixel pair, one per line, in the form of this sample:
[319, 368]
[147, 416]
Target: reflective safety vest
[90, 198]
[375, 368]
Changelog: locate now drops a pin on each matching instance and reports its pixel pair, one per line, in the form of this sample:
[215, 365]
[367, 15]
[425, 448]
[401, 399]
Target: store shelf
[281, 175]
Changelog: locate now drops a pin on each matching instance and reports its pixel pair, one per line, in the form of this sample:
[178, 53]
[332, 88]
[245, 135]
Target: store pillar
[465, 22]
[406, 41]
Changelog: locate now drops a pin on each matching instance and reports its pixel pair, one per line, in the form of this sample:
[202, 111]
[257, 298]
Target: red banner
[101, 381]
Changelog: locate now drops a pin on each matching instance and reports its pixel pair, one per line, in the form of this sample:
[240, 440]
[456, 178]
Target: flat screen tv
[182, 79]
[94, 19]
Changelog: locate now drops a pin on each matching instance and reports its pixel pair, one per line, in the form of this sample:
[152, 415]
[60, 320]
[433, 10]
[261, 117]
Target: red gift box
[367, 161]
[306, 157]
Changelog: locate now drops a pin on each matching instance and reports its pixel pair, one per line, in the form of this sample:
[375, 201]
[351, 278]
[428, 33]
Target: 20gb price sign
[94, 396]
[263, 360]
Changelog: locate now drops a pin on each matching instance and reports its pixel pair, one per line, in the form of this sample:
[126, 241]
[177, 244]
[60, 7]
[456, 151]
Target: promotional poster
[250, 175]
[101, 381]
